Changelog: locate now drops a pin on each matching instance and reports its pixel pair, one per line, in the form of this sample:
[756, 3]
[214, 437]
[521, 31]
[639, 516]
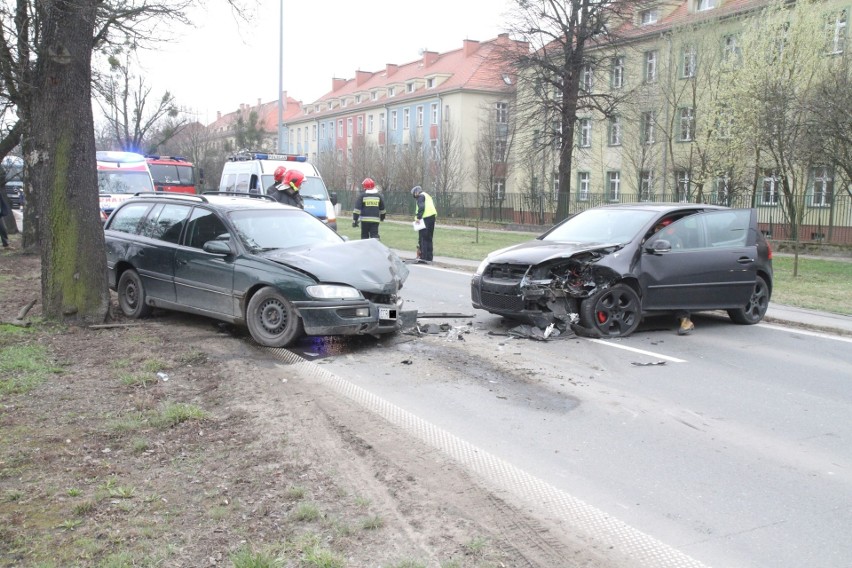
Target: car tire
[756, 307]
[131, 295]
[613, 312]
[272, 320]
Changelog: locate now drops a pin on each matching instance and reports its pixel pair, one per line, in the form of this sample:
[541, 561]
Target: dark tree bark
[61, 156]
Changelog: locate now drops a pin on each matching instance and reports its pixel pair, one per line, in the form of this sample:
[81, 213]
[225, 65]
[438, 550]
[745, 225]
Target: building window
[617, 75]
[583, 186]
[322, 131]
[585, 132]
[314, 133]
[722, 190]
[688, 62]
[349, 127]
[360, 125]
[648, 17]
[682, 187]
[614, 137]
[410, 87]
[382, 125]
[731, 53]
[374, 95]
[430, 83]
[420, 116]
[650, 66]
[588, 79]
[502, 113]
[686, 124]
[646, 185]
[370, 124]
[433, 112]
[646, 127]
[500, 151]
[406, 118]
[340, 128]
[557, 134]
[701, 5]
[555, 183]
[446, 113]
[725, 123]
[433, 150]
[771, 188]
[498, 188]
[613, 186]
[836, 33]
[357, 99]
[391, 91]
[393, 122]
[822, 188]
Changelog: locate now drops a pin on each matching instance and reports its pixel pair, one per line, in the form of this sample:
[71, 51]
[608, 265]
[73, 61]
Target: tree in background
[551, 90]
[137, 121]
[249, 132]
[785, 62]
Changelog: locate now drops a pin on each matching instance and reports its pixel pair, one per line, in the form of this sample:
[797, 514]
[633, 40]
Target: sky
[222, 62]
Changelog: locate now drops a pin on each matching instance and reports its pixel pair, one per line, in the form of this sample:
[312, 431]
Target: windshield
[601, 226]
[123, 181]
[172, 174]
[270, 229]
[312, 187]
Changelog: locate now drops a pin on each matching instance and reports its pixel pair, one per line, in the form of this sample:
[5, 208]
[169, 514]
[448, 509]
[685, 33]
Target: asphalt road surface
[728, 447]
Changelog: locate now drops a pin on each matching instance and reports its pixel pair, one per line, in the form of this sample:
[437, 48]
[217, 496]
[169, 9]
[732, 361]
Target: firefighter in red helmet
[287, 192]
[369, 210]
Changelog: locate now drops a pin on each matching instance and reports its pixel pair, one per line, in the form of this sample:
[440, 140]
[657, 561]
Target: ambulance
[120, 176]
[251, 172]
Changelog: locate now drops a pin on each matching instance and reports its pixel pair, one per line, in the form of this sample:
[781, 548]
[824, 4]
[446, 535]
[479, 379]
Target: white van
[251, 172]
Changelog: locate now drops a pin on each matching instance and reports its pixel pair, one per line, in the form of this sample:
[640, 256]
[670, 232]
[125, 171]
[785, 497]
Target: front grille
[501, 302]
[512, 272]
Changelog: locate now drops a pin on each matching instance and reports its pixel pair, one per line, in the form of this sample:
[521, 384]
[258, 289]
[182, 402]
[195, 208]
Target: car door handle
[745, 260]
[181, 262]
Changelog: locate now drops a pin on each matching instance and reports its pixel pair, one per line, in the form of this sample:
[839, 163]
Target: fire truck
[172, 173]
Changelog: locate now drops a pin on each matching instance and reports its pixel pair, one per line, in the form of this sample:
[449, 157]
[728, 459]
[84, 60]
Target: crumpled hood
[367, 264]
[537, 251]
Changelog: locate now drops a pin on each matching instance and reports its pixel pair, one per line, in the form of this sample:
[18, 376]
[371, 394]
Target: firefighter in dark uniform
[287, 192]
[369, 210]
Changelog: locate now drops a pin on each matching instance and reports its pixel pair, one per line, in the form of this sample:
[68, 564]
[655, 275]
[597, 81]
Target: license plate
[387, 314]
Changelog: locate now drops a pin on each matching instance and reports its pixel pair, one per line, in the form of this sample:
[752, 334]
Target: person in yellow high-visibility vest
[425, 213]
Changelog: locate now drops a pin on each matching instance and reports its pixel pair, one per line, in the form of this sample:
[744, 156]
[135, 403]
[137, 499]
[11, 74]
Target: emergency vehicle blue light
[285, 157]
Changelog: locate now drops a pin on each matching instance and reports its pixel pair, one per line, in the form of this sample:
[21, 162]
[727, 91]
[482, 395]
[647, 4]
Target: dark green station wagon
[250, 261]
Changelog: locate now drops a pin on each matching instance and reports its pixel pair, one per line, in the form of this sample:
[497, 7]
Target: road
[729, 447]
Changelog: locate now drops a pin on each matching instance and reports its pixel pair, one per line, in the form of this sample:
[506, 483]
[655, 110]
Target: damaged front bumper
[540, 294]
[350, 318]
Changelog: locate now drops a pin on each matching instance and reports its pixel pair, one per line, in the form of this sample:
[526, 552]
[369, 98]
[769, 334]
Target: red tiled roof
[476, 65]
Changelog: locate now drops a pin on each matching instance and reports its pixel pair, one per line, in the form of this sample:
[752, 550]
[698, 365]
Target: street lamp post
[281, 79]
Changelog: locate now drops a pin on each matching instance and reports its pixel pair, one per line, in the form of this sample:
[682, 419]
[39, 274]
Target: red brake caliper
[601, 317]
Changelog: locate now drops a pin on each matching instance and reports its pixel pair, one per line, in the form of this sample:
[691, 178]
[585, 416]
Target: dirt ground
[177, 442]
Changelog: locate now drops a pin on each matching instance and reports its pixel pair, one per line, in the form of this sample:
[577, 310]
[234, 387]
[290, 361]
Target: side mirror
[659, 246]
[217, 247]
[332, 195]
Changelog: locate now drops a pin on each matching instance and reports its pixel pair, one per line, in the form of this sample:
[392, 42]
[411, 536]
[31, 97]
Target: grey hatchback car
[611, 265]
[251, 261]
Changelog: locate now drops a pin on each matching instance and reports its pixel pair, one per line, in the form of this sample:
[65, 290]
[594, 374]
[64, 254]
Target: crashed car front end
[356, 290]
[541, 293]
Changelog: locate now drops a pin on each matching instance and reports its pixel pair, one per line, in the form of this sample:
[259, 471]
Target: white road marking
[805, 332]
[640, 351]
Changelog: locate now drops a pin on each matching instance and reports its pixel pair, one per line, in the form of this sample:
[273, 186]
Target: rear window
[127, 219]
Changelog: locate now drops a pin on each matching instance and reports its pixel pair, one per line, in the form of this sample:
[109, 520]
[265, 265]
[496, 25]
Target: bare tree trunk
[61, 155]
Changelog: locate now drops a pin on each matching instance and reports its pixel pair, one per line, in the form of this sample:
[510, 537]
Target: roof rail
[242, 194]
[170, 195]
[158, 157]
